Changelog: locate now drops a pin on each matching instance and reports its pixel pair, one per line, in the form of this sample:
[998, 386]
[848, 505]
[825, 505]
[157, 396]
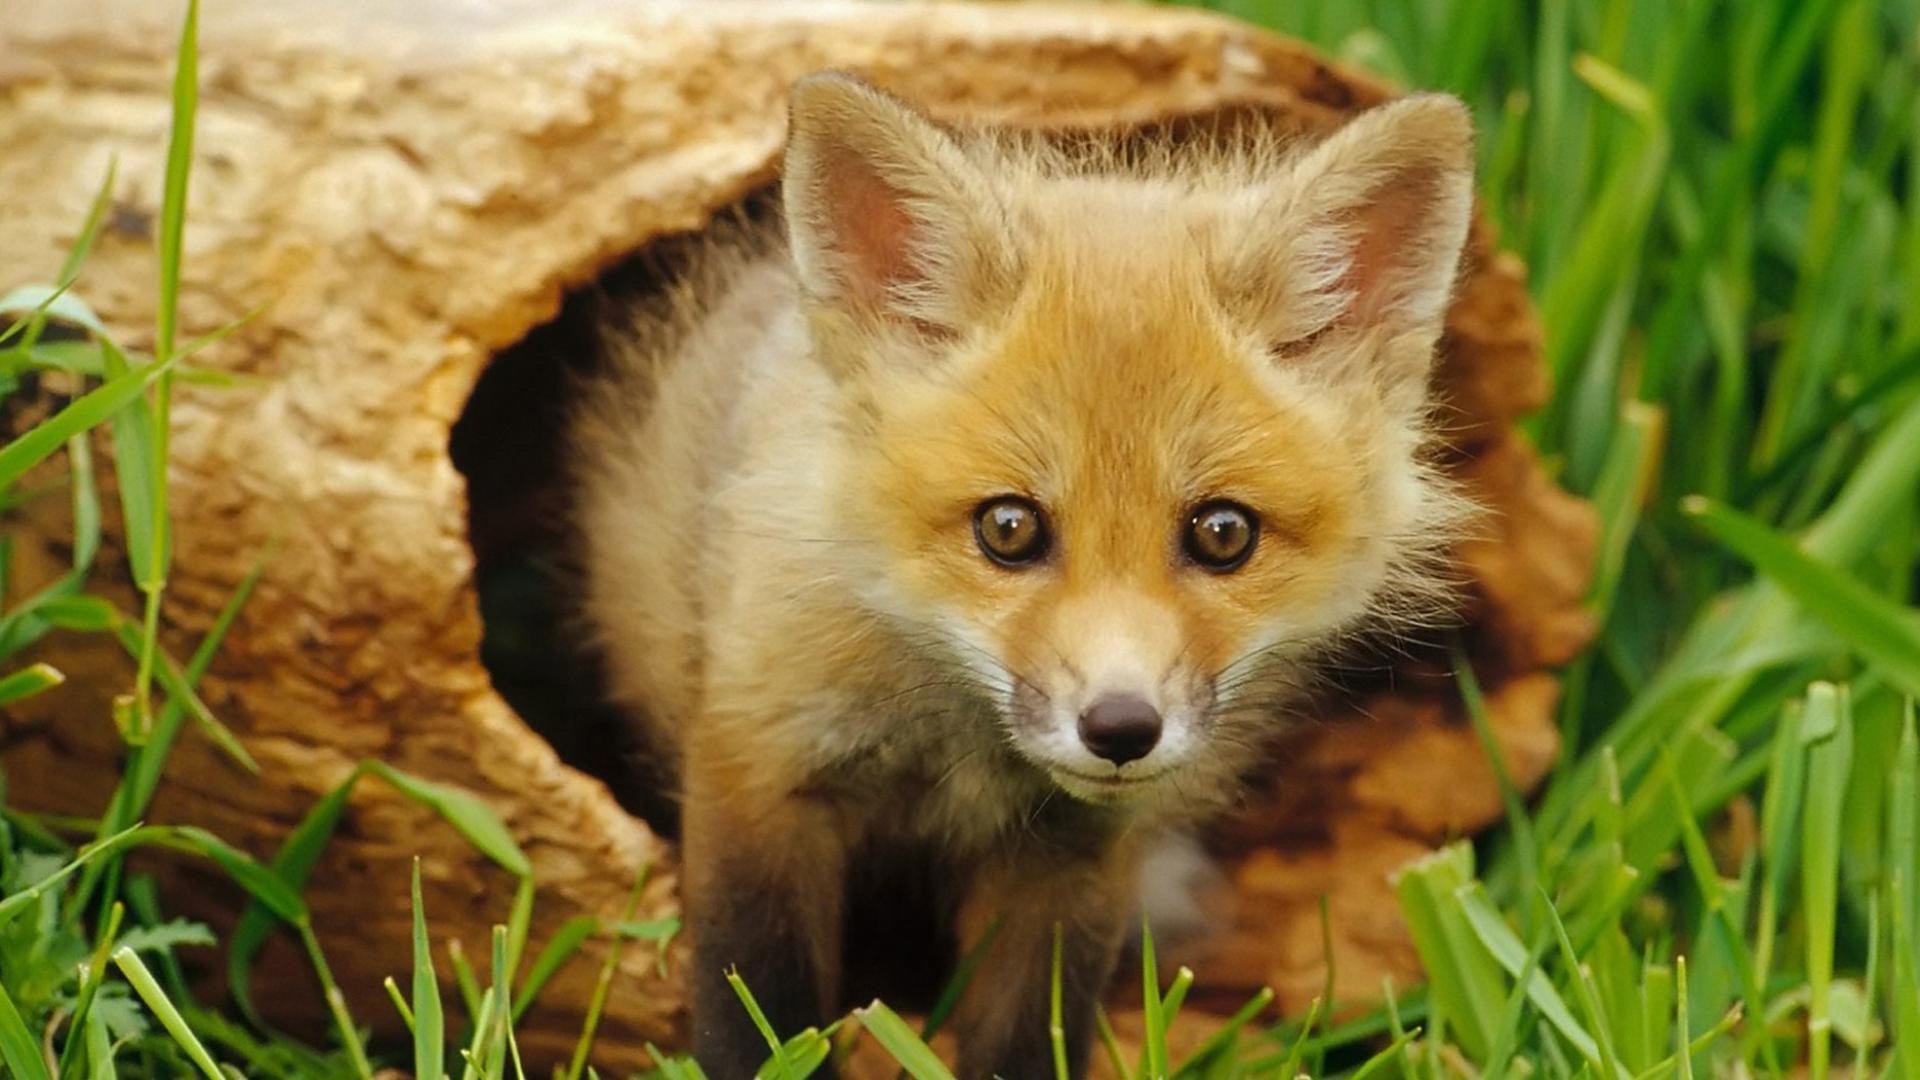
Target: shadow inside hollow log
[511, 445]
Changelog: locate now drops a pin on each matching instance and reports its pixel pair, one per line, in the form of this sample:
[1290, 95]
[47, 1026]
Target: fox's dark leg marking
[764, 885]
[1002, 1023]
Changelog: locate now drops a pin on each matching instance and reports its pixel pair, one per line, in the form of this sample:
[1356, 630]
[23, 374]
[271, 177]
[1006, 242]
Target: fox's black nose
[1120, 729]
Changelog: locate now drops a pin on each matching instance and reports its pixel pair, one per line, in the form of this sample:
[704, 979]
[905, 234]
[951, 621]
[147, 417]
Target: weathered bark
[409, 188]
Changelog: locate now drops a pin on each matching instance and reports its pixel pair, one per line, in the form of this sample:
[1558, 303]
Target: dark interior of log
[509, 444]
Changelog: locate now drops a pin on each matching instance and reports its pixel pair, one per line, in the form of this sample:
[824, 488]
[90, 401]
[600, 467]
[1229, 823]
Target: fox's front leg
[764, 875]
[1002, 1022]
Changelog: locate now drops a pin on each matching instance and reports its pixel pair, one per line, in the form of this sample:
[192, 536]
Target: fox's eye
[1221, 535]
[1010, 530]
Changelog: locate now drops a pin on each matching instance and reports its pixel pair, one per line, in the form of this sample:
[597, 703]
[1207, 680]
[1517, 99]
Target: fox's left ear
[1364, 231]
[888, 217]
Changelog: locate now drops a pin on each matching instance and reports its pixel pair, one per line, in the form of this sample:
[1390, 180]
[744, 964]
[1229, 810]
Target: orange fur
[778, 479]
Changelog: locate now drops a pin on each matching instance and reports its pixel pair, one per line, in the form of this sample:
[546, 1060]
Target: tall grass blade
[18, 1048]
[292, 864]
[85, 412]
[1607, 1059]
[1500, 943]
[1056, 1027]
[1153, 1018]
[597, 1003]
[1886, 634]
[28, 681]
[20, 901]
[1466, 987]
[470, 817]
[143, 984]
[962, 977]
[560, 948]
[890, 1031]
[429, 1024]
[1827, 728]
[173, 196]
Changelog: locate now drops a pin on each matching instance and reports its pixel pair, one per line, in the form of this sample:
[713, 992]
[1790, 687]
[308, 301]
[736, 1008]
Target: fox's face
[1131, 445]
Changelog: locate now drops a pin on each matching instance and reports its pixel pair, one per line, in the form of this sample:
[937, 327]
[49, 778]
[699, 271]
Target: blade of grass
[90, 228]
[891, 1032]
[804, 1053]
[86, 505]
[85, 412]
[156, 552]
[99, 1046]
[950, 994]
[1784, 65]
[1721, 923]
[429, 1027]
[178, 688]
[1493, 932]
[28, 681]
[1613, 228]
[399, 1002]
[597, 1003]
[1056, 1028]
[1609, 1062]
[1906, 978]
[1297, 1052]
[1827, 728]
[19, 901]
[1682, 1039]
[464, 980]
[18, 1048]
[1674, 1062]
[1848, 53]
[1779, 809]
[1897, 376]
[1110, 1043]
[1223, 1037]
[519, 925]
[247, 872]
[292, 864]
[1465, 985]
[560, 948]
[156, 999]
[141, 471]
[143, 778]
[1177, 995]
[90, 979]
[1903, 818]
[35, 303]
[469, 816]
[1387, 1055]
[1519, 824]
[1153, 1016]
[1885, 633]
[173, 198]
[1396, 1027]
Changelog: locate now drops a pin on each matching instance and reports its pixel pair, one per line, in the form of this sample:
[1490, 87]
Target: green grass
[1719, 203]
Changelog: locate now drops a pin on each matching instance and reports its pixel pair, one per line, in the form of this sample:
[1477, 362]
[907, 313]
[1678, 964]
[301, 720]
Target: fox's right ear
[888, 218]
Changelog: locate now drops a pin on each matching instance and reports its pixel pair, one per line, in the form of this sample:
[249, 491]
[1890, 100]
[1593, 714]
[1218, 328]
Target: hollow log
[404, 190]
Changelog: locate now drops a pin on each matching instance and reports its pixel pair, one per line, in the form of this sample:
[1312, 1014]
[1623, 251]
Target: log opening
[510, 445]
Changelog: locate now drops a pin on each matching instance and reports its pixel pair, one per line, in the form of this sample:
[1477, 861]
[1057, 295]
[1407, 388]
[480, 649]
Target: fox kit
[987, 514]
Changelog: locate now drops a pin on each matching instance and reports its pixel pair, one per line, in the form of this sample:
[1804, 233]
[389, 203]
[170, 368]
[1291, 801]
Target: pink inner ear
[1389, 245]
[868, 227]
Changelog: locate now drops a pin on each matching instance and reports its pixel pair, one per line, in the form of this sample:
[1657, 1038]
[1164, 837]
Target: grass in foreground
[1720, 206]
